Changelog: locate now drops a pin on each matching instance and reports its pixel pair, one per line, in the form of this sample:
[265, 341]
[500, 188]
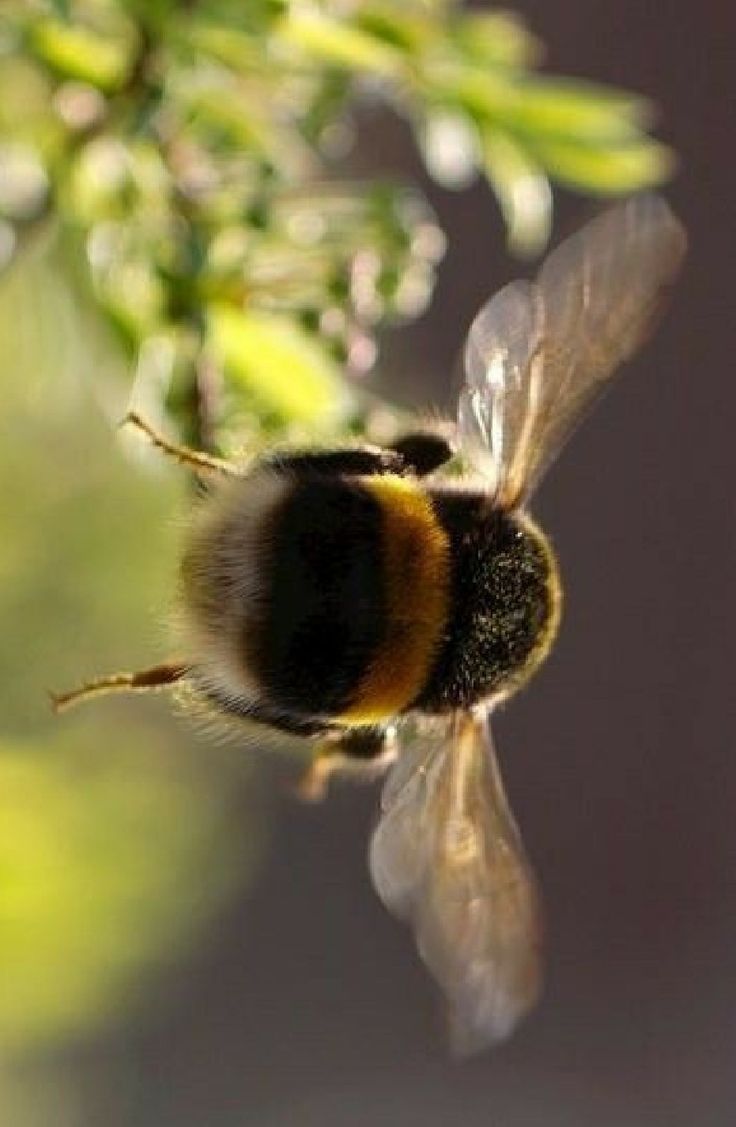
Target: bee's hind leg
[362, 754]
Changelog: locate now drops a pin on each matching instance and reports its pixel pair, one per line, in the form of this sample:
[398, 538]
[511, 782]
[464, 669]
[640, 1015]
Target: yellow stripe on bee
[416, 575]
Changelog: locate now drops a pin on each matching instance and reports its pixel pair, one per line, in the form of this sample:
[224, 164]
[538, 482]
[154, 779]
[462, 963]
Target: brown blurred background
[306, 1004]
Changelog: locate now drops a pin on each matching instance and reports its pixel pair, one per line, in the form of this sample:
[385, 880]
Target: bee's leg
[362, 754]
[420, 453]
[158, 677]
[423, 452]
[363, 461]
[202, 464]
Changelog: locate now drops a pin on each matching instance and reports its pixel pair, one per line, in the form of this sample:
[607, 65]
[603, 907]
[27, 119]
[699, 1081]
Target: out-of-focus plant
[186, 152]
[121, 843]
[112, 866]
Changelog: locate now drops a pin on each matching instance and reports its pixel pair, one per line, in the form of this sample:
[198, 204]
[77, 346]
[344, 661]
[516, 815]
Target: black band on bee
[324, 610]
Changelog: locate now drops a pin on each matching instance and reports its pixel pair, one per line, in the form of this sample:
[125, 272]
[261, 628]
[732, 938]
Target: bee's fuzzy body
[316, 599]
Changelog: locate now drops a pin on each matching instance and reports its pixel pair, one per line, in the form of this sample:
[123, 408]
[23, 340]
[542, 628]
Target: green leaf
[555, 108]
[522, 189]
[614, 170]
[483, 94]
[234, 48]
[581, 110]
[283, 369]
[77, 52]
[335, 43]
[411, 31]
[497, 38]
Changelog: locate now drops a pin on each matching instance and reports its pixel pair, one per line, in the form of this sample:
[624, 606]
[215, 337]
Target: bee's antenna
[158, 677]
[201, 463]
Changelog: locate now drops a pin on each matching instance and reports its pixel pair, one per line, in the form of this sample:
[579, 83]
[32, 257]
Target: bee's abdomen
[324, 606]
[357, 598]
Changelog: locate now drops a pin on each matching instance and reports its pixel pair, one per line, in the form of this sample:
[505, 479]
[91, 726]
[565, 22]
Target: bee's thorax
[504, 604]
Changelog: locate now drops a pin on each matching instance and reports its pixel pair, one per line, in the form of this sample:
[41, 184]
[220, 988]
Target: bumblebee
[360, 600]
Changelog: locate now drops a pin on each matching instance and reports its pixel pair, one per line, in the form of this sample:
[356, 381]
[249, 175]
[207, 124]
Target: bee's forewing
[501, 345]
[447, 856]
[538, 354]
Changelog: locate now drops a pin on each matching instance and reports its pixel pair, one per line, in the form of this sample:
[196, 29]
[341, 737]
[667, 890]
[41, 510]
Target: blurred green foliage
[111, 863]
[188, 152]
[120, 839]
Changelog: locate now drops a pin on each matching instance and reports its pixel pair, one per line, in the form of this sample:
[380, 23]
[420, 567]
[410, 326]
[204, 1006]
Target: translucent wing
[539, 353]
[400, 848]
[447, 857]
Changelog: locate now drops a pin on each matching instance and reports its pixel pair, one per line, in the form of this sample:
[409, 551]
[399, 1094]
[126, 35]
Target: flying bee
[356, 598]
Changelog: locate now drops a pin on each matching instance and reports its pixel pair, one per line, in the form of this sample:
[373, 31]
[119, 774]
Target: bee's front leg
[423, 451]
[204, 465]
[158, 677]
